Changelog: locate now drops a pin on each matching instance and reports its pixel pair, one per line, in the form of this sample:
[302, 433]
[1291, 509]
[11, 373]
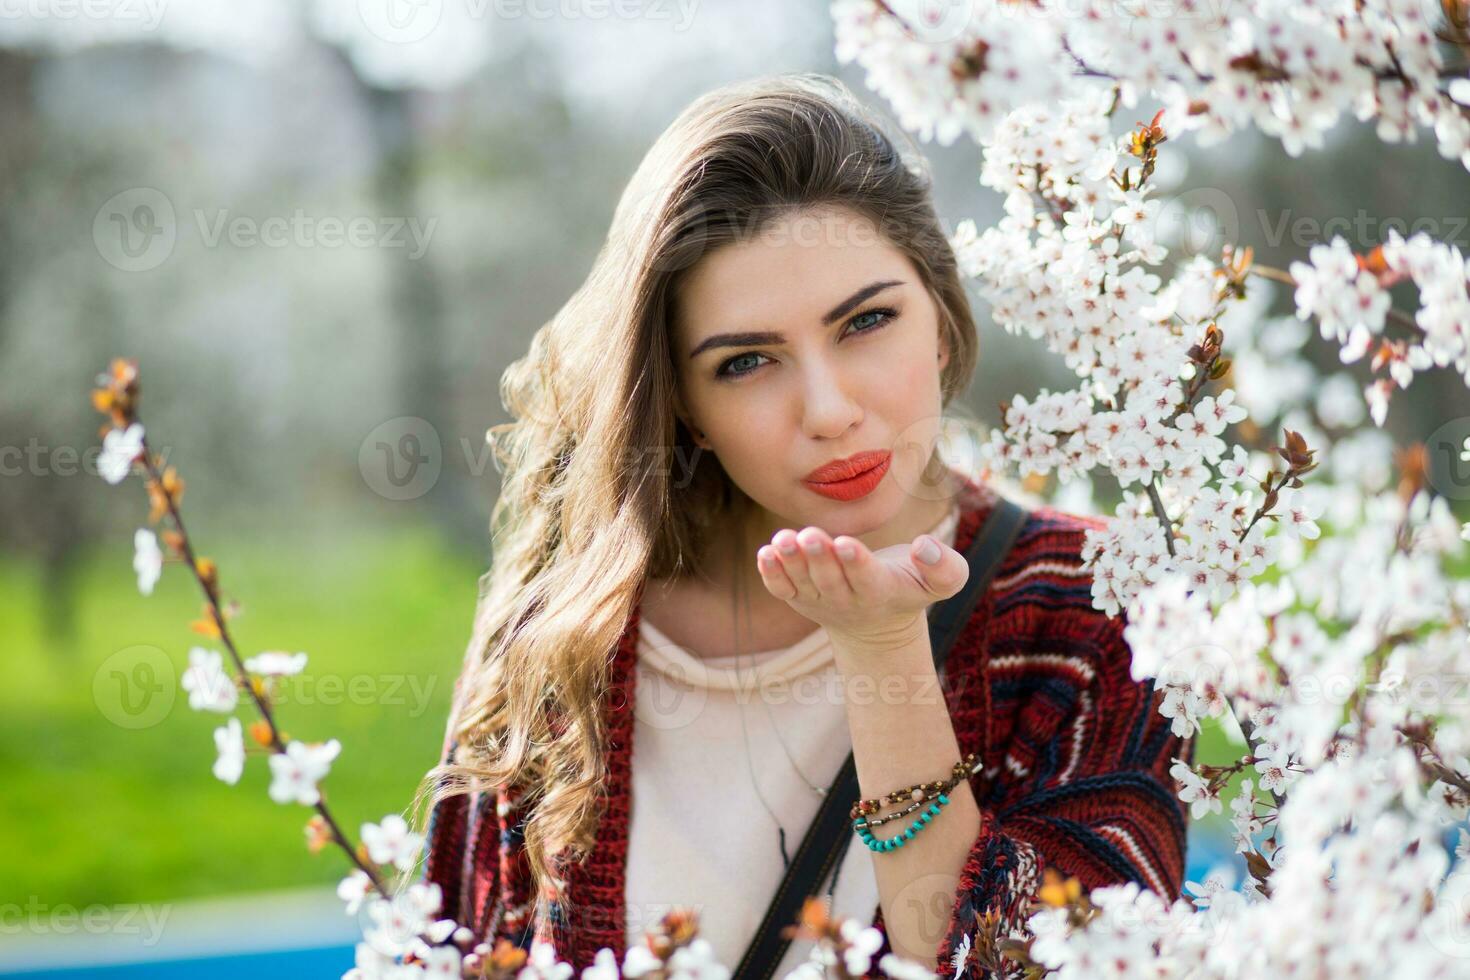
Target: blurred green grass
[95, 812]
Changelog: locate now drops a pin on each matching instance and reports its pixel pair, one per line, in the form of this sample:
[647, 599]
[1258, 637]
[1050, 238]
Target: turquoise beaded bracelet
[894, 843]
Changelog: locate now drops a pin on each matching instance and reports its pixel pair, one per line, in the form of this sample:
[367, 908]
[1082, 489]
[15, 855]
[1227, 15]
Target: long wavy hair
[598, 494]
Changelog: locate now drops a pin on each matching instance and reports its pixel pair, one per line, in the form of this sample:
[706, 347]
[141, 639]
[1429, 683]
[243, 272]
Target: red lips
[846, 469]
[851, 478]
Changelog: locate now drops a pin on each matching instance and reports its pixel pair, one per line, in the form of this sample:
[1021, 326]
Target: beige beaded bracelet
[919, 792]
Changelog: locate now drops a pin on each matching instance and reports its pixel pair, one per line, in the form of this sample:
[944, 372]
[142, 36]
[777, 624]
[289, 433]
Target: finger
[773, 575]
[862, 570]
[793, 563]
[822, 565]
[945, 573]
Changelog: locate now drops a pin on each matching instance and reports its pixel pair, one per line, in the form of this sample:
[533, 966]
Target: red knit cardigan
[1076, 768]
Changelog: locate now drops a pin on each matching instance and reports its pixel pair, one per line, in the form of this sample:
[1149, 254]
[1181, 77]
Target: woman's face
[808, 343]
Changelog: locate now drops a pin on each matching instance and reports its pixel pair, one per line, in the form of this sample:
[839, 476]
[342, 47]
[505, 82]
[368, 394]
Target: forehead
[790, 273]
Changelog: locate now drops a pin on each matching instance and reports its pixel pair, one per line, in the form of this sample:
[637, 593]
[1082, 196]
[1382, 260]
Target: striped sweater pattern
[1075, 770]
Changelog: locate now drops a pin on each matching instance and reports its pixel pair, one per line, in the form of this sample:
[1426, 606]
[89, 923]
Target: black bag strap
[830, 832]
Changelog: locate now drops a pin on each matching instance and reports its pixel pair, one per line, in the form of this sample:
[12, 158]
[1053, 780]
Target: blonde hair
[588, 508]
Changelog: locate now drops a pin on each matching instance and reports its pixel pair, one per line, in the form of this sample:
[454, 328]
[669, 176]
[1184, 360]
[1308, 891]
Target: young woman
[726, 442]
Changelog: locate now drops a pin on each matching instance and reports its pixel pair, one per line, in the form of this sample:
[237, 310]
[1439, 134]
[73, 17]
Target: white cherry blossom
[229, 742]
[276, 663]
[120, 447]
[353, 889]
[147, 559]
[296, 771]
[391, 842]
[210, 687]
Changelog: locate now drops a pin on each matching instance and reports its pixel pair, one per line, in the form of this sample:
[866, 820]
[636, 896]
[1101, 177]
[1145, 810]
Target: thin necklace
[736, 594]
[819, 790]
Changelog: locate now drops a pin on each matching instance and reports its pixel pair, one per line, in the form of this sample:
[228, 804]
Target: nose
[829, 405]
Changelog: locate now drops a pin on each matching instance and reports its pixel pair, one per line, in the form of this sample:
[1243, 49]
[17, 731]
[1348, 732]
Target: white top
[699, 835]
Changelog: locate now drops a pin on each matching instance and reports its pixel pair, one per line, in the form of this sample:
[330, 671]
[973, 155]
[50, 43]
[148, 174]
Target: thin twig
[212, 595]
[1280, 275]
[1162, 514]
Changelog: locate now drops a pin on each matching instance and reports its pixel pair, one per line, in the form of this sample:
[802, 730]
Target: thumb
[943, 570]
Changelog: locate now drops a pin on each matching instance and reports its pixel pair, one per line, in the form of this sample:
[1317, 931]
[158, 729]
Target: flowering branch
[125, 444]
[405, 938]
[1341, 670]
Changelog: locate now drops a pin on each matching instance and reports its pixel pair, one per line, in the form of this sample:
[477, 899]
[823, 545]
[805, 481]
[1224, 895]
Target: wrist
[887, 641]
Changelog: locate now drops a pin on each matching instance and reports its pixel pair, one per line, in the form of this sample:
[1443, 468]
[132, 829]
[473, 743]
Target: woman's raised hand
[872, 600]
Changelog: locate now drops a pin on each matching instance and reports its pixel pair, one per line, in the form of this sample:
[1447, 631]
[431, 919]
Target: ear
[682, 414]
[943, 351]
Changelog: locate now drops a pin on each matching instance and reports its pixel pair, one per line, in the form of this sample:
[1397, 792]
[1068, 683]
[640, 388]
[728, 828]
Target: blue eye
[723, 369]
[883, 314]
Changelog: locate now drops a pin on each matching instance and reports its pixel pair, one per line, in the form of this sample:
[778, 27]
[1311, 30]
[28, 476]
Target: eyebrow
[755, 338]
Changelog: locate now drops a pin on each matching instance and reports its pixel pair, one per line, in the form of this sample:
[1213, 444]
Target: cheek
[740, 420]
[744, 427]
[751, 438]
[910, 382]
